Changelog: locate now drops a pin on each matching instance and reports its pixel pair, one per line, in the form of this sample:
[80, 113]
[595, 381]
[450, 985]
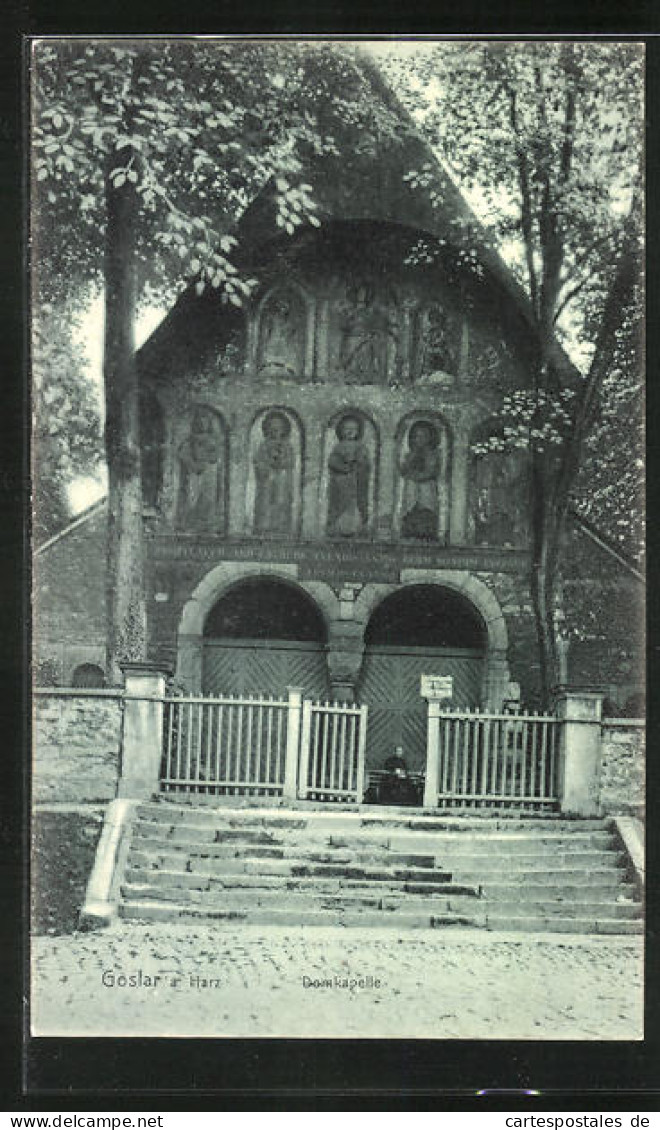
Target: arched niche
[263, 635]
[365, 333]
[266, 608]
[498, 489]
[88, 675]
[152, 444]
[282, 333]
[348, 485]
[427, 616]
[273, 489]
[202, 472]
[423, 472]
[436, 340]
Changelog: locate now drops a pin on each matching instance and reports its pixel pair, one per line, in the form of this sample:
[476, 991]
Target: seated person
[396, 786]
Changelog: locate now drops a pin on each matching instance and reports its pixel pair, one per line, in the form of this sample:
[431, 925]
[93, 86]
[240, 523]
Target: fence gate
[332, 749]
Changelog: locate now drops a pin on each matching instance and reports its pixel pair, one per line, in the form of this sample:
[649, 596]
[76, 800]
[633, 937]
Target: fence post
[432, 776]
[362, 744]
[142, 729]
[304, 748]
[579, 713]
[290, 787]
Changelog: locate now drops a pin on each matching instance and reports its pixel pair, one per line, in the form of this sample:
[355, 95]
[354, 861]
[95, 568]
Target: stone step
[166, 911]
[508, 894]
[144, 850]
[555, 876]
[363, 819]
[468, 871]
[502, 842]
[270, 916]
[314, 852]
[206, 863]
[136, 888]
[546, 892]
[411, 842]
[582, 925]
[356, 865]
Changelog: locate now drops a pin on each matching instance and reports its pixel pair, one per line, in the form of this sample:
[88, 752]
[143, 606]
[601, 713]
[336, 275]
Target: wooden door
[264, 667]
[390, 685]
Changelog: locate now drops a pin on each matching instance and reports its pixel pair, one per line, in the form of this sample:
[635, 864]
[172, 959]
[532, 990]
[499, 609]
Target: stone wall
[76, 742]
[622, 769]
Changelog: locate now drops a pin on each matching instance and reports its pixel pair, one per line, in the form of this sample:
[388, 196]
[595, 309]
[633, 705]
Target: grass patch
[63, 848]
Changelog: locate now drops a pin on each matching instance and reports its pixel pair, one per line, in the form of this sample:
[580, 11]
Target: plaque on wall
[437, 686]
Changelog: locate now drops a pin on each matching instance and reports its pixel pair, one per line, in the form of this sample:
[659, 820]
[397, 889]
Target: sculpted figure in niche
[273, 471]
[282, 337]
[419, 467]
[349, 468]
[437, 348]
[499, 494]
[367, 333]
[200, 503]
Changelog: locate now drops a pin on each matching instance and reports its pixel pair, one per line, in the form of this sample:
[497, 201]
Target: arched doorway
[419, 630]
[263, 635]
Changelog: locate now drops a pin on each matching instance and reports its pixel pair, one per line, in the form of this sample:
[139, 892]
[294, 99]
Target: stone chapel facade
[324, 503]
[323, 508]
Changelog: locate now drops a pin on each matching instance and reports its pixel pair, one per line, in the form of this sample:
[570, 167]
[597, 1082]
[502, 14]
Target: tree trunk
[126, 613]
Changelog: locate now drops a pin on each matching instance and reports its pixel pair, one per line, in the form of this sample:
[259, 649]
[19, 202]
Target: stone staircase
[377, 867]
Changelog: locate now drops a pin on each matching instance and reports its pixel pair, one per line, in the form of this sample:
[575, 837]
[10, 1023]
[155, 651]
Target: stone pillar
[309, 340]
[142, 729]
[290, 787]
[345, 653]
[432, 775]
[496, 679]
[459, 488]
[322, 337]
[189, 663]
[579, 712]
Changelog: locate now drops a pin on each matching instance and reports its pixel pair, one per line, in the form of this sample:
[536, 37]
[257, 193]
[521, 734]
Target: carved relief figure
[437, 341]
[367, 334]
[349, 469]
[282, 335]
[498, 496]
[420, 467]
[200, 504]
[273, 469]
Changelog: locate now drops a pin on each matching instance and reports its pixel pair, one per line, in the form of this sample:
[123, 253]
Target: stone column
[345, 653]
[142, 729]
[189, 662]
[322, 338]
[579, 712]
[459, 487]
[432, 775]
[290, 786]
[496, 679]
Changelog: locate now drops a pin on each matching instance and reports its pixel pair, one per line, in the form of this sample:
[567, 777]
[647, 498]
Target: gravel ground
[190, 979]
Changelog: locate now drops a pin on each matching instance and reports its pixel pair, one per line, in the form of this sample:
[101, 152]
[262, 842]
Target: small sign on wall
[437, 686]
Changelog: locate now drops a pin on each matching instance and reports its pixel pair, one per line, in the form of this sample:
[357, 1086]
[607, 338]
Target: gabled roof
[367, 181]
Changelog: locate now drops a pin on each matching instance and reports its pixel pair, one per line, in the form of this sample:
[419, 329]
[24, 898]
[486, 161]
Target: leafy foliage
[66, 434]
[547, 137]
